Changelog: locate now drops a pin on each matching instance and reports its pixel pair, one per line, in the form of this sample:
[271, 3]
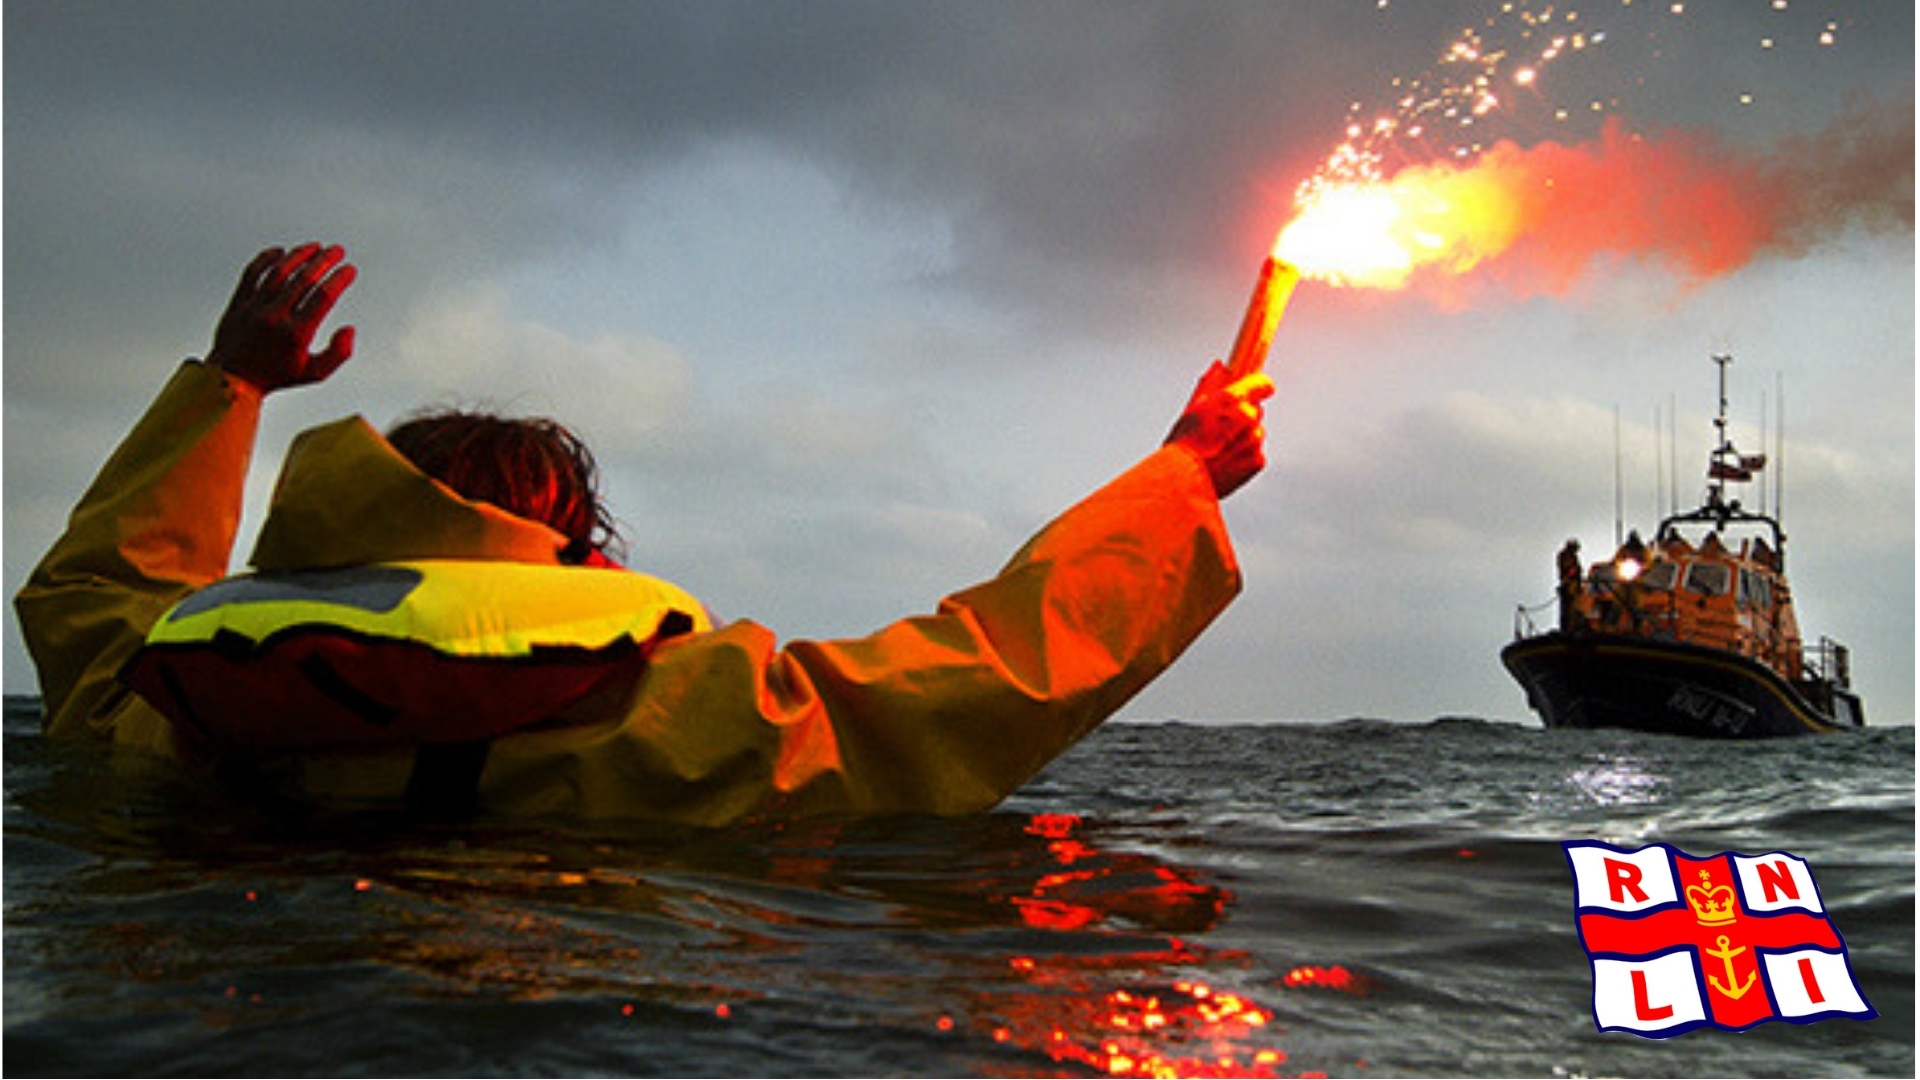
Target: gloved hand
[1222, 426]
[283, 297]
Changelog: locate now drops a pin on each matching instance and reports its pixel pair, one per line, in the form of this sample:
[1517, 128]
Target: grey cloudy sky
[852, 297]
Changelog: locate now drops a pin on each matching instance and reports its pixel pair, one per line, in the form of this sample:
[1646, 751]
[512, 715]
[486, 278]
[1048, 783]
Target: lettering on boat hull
[1711, 709]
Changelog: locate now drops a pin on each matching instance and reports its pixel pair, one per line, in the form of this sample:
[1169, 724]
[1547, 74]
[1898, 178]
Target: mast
[1724, 464]
[1717, 475]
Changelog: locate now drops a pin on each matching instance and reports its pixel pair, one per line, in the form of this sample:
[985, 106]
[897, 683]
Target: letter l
[1644, 1009]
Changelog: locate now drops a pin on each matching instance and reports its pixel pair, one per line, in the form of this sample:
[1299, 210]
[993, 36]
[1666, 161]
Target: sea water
[1354, 898]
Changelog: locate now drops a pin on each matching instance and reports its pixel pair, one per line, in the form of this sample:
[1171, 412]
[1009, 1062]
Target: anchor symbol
[1726, 956]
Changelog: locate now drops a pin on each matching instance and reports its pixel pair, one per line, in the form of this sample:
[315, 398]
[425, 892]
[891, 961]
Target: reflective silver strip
[372, 589]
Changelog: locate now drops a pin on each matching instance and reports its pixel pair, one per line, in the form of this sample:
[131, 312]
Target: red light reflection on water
[1087, 886]
[1110, 973]
[1131, 1014]
[1185, 1028]
[1330, 978]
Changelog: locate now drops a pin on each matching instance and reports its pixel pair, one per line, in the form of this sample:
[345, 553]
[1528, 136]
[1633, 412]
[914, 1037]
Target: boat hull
[1613, 681]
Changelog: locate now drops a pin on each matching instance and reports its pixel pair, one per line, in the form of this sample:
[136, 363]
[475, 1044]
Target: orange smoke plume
[1539, 217]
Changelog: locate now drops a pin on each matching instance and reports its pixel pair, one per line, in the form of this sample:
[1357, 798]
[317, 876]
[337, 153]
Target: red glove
[282, 299]
[1222, 427]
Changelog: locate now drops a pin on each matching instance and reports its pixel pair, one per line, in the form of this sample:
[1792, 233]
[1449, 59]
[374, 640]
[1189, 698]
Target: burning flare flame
[1377, 233]
[1547, 212]
[1690, 202]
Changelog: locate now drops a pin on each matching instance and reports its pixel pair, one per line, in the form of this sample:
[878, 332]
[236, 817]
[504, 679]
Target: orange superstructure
[1730, 598]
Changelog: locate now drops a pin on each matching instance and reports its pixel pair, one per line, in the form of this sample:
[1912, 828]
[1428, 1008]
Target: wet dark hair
[532, 467]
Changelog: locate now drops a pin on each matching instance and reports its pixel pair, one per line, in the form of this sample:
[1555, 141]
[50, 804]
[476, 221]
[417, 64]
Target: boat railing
[1830, 662]
[1523, 619]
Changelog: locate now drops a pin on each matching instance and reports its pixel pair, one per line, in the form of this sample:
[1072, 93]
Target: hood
[346, 497]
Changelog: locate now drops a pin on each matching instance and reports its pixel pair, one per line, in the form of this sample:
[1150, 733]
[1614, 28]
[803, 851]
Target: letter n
[1776, 875]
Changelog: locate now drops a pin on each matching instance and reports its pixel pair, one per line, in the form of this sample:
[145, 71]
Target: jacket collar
[345, 497]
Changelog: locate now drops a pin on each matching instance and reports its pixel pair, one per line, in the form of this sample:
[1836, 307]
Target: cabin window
[1709, 579]
[1755, 590]
[1660, 576]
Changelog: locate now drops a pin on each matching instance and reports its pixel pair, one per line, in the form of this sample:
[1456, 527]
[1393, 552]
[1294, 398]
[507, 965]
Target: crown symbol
[1712, 904]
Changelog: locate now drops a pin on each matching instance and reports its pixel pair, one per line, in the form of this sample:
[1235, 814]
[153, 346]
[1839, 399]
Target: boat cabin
[1730, 598]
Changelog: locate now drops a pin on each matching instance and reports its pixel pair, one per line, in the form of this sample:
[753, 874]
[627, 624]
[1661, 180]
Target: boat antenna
[1780, 451]
[1618, 512]
[1659, 468]
[1673, 454]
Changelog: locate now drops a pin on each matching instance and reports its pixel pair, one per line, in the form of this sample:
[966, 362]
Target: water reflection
[1016, 943]
[1052, 944]
[1122, 1012]
[1620, 780]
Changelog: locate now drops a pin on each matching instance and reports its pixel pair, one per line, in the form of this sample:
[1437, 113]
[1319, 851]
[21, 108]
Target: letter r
[1623, 878]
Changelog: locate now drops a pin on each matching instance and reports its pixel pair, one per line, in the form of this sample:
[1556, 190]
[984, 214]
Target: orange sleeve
[157, 522]
[944, 713]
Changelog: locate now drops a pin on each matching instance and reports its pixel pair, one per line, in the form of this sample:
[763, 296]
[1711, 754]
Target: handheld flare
[1269, 303]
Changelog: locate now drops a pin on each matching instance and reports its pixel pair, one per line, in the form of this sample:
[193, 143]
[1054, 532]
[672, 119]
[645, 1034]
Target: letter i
[1806, 980]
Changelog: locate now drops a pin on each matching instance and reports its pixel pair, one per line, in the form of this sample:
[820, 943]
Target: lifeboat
[1691, 634]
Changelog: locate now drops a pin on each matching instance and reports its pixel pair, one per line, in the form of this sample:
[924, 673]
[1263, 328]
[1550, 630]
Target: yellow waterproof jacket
[942, 713]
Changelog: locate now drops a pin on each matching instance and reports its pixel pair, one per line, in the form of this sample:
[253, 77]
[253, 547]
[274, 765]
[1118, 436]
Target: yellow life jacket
[404, 653]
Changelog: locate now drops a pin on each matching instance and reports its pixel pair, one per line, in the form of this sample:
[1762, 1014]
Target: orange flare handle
[1269, 303]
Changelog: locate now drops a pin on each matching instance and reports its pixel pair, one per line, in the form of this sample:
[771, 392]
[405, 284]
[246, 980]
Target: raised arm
[947, 712]
[954, 711]
[159, 519]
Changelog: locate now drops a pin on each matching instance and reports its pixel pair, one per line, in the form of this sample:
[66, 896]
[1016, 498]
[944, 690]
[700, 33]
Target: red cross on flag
[1730, 940]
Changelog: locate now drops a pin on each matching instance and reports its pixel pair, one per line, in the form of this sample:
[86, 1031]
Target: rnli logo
[1727, 941]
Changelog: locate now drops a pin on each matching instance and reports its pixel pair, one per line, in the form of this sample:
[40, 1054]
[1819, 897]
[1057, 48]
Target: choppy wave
[1354, 898]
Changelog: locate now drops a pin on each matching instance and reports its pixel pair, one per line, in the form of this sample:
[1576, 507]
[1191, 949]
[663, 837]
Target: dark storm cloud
[1056, 138]
[1083, 158]
[1117, 130]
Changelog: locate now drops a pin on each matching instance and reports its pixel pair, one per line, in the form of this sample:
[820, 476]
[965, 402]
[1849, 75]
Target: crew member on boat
[943, 713]
[1567, 563]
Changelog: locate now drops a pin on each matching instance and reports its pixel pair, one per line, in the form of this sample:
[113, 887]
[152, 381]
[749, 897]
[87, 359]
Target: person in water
[942, 713]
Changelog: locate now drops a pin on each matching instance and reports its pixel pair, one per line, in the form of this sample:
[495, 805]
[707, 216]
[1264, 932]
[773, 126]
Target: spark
[1357, 224]
[1434, 114]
